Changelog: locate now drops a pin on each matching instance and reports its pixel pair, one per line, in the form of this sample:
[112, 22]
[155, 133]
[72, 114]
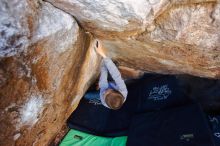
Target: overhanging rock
[160, 36]
[44, 65]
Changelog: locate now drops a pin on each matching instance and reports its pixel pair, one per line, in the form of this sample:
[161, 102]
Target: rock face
[44, 56]
[179, 36]
[47, 59]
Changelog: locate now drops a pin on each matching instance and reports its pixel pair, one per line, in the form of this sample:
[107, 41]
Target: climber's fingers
[99, 49]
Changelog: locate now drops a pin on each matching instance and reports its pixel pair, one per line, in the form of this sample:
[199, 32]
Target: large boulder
[45, 58]
[47, 61]
[179, 36]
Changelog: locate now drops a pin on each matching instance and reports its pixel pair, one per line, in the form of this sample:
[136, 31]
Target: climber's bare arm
[99, 49]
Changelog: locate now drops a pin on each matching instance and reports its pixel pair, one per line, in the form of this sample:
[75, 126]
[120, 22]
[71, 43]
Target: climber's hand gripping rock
[99, 49]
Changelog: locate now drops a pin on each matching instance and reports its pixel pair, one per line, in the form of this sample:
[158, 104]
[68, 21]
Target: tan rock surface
[178, 36]
[44, 54]
[47, 61]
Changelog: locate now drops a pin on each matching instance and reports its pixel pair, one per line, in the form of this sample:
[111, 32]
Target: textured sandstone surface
[185, 39]
[47, 59]
[178, 36]
[44, 55]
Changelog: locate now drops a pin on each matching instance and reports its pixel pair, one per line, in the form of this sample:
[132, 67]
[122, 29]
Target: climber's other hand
[99, 48]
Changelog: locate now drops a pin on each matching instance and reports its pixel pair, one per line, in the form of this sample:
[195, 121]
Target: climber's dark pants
[92, 95]
[93, 118]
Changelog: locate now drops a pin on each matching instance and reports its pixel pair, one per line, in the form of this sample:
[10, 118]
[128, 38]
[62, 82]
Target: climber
[112, 94]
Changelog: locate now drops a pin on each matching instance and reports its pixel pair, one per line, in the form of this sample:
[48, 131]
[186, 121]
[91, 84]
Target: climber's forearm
[103, 82]
[116, 75]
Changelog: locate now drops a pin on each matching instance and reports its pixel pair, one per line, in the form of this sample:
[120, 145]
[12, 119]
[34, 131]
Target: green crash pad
[78, 138]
